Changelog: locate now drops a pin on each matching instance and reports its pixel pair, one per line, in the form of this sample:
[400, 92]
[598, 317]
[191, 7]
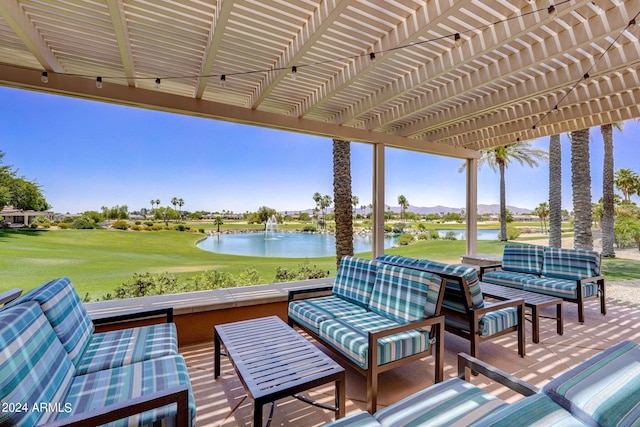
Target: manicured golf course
[97, 261]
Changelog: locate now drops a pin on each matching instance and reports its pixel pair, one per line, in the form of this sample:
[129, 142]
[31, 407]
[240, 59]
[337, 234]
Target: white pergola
[448, 77]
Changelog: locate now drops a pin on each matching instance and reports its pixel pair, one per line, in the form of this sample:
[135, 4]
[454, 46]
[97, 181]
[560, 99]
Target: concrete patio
[223, 402]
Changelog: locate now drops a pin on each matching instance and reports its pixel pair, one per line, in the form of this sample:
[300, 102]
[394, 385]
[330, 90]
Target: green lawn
[99, 260]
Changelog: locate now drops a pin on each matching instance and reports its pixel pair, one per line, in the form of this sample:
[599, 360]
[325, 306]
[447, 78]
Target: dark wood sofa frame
[373, 369]
[579, 300]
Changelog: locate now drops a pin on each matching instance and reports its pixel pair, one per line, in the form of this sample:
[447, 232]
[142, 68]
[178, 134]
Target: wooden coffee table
[532, 300]
[274, 361]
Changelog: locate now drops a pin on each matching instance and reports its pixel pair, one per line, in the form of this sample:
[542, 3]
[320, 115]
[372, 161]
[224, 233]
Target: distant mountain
[482, 209]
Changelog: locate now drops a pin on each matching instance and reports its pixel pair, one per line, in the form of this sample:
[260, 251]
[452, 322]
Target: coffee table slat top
[271, 357]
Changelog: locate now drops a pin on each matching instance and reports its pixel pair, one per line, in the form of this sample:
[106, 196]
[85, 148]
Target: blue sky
[88, 154]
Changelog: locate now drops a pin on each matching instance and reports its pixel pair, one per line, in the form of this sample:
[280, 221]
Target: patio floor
[223, 402]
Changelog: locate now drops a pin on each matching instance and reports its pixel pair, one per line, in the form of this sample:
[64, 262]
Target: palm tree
[174, 202]
[627, 181]
[153, 202]
[354, 201]
[404, 204]
[581, 185]
[326, 202]
[343, 199]
[157, 203]
[499, 158]
[181, 204]
[555, 192]
[543, 212]
[317, 197]
[608, 204]
[218, 221]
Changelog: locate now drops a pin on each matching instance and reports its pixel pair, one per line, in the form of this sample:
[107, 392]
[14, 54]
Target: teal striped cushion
[34, 367]
[537, 410]
[523, 258]
[313, 311]
[355, 279]
[450, 403]
[603, 390]
[470, 273]
[507, 278]
[359, 419]
[562, 288]
[572, 264]
[404, 294]
[396, 260]
[349, 336]
[102, 388]
[61, 304]
[125, 346]
[497, 321]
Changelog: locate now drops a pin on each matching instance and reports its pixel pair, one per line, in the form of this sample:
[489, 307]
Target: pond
[302, 245]
[285, 245]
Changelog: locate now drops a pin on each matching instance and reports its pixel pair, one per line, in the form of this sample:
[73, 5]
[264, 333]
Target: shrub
[137, 227]
[211, 279]
[424, 236]
[148, 223]
[303, 272]
[249, 276]
[450, 235]
[201, 230]
[62, 225]
[84, 223]
[120, 225]
[405, 239]
[388, 228]
[180, 227]
[512, 233]
[146, 284]
[309, 229]
[399, 227]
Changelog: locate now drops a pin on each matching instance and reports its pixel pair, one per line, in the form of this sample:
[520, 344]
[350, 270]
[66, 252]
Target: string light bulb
[372, 56]
[45, 77]
[157, 82]
[555, 110]
[633, 27]
[223, 81]
[457, 39]
[99, 82]
[294, 72]
[586, 76]
[553, 13]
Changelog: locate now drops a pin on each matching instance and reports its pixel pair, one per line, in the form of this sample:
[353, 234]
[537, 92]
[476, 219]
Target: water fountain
[271, 230]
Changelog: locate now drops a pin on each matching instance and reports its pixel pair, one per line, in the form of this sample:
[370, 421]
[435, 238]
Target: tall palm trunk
[607, 193]
[503, 204]
[581, 185]
[555, 192]
[342, 198]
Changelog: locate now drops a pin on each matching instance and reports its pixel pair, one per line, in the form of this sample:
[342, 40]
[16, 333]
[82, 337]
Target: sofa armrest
[489, 307]
[317, 290]
[437, 321]
[178, 395]
[167, 312]
[597, 279]
[468, 364]
[10, 295]
[489, 267]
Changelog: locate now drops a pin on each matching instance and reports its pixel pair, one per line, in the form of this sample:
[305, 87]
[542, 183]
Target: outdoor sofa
[466, 313]
[55, 369]
[571, 274]
[602, 391]
[376, 318]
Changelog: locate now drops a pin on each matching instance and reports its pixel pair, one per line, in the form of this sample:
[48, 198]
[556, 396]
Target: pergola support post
[378, 200]
[472, 206]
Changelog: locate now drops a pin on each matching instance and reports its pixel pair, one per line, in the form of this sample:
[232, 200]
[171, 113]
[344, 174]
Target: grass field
[99, 260]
